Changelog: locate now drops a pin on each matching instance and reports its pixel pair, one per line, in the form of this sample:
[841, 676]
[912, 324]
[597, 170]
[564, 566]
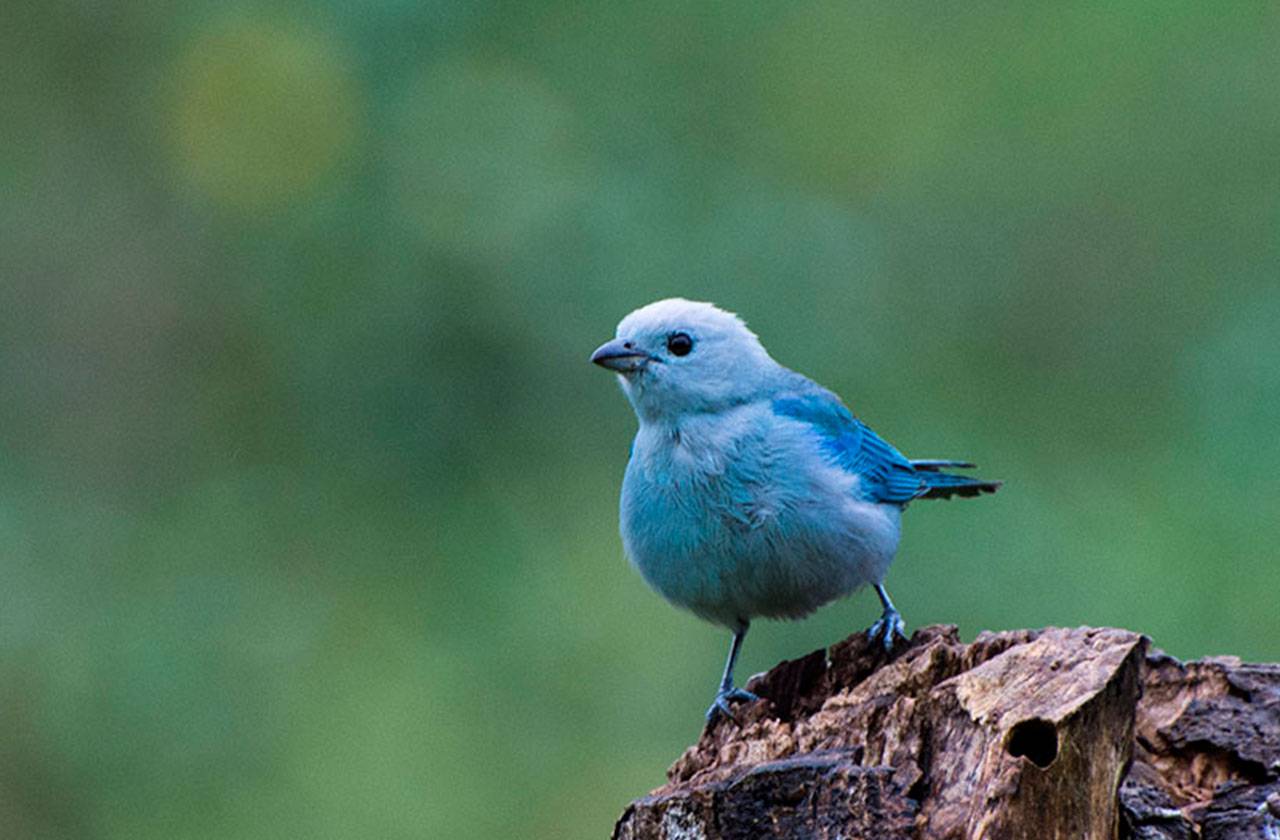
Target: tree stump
[1051, 733]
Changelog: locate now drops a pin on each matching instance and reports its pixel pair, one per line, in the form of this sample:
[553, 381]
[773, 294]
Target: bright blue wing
[886, 475]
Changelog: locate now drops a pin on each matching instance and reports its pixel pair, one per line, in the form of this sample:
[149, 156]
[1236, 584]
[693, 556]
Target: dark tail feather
[941, 485]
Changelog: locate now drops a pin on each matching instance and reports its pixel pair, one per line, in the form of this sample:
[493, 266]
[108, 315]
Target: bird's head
[678, 356]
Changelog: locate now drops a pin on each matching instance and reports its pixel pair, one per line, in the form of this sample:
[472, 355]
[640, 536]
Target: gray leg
[890, 623]
[727, 693]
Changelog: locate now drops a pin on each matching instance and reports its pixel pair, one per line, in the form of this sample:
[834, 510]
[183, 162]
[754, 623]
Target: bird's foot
[887, 627]
[724, 698]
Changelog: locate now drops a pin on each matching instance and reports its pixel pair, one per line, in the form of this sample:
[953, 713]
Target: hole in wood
[1036, 738]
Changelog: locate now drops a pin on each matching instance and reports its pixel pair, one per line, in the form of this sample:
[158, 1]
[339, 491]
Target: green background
[308, 492]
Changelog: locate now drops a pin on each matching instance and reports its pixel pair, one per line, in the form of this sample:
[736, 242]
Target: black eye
[679, 344]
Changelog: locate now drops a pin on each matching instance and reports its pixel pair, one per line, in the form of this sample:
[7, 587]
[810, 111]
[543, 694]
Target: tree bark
[1051, 733]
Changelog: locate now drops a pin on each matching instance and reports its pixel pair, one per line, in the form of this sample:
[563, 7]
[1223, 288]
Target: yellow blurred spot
[261, 113]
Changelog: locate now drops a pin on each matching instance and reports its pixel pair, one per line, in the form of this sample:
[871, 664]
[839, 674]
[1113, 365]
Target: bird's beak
[619, 355]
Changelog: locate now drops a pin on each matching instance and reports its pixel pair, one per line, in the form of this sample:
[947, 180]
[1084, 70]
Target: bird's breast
[749, 520]
[689, 488]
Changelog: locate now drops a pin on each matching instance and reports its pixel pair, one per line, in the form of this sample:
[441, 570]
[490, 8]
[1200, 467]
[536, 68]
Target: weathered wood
[1053, 733]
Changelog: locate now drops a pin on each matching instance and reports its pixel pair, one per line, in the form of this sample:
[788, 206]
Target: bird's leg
[727, 693]
[890, 623]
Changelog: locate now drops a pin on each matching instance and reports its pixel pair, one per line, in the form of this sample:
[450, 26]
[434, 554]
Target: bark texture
[1051, 733]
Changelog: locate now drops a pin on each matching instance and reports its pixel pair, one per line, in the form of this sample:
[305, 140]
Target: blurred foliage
[308, 493]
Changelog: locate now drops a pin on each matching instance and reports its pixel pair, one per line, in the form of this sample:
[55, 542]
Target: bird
[751, 491]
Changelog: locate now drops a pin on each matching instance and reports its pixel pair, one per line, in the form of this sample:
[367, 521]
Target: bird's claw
[889, 625]
[721, 704]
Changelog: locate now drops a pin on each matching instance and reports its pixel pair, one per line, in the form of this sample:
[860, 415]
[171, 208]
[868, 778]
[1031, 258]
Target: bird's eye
[679, 344]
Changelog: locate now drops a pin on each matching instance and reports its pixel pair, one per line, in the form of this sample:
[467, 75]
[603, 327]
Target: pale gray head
[677, 356]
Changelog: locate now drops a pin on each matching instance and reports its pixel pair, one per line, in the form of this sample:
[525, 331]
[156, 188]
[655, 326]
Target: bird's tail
[943, 485]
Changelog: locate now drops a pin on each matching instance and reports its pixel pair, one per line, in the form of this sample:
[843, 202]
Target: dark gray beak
[619, 355]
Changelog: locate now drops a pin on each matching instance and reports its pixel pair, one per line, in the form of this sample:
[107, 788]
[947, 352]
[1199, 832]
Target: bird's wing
[885, 474]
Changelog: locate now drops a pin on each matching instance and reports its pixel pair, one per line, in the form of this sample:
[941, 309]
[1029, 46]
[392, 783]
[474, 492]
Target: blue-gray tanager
[751, 490]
